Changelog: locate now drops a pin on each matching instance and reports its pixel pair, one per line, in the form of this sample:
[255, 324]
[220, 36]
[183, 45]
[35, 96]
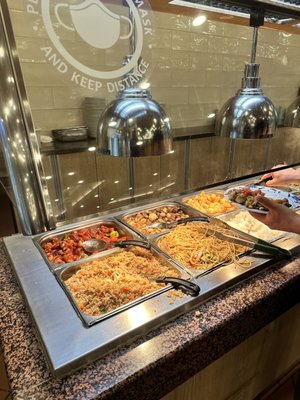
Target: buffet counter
[146, 348]
[156, 363]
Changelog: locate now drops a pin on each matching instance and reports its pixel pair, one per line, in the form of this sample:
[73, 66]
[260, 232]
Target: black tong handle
[180, 284]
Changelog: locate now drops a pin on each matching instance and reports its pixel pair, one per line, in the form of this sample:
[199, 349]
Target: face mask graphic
[94, 23]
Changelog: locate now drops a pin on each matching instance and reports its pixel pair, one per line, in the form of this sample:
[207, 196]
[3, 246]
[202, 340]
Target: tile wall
[194, 70]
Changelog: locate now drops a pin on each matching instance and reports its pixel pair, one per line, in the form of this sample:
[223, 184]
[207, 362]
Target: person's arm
[284, 177]
[278, 217]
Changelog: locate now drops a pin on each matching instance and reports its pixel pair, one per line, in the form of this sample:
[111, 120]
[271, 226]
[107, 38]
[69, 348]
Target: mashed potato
[246, 223]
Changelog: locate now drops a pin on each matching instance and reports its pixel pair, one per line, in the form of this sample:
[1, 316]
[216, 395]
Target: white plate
[271, 193]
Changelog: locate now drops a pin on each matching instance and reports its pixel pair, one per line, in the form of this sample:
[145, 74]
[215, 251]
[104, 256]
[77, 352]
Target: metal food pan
[122, 229]
[195, 272]
[229, 216]
[191, 212]
[182, 200]
[65, 272]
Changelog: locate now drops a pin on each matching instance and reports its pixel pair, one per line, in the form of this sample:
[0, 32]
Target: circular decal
[90, 40]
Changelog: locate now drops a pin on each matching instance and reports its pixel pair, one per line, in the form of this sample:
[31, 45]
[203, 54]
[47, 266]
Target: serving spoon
[92, 245]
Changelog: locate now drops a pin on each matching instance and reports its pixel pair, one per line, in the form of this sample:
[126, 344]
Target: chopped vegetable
[104, 284]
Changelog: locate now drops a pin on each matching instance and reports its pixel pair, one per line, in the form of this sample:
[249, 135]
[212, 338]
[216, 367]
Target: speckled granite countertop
[155, 364]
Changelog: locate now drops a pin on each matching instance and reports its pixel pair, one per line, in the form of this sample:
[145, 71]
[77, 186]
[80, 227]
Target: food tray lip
[228, 215]
[181, 199]
[185, 207]
[89, 320]
[39, 239]
[196, 272]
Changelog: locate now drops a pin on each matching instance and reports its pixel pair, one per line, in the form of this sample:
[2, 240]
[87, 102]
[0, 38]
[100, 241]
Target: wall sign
[95, 27]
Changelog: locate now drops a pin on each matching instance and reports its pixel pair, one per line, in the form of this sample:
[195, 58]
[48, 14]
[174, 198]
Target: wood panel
[113, 181]
[78, 182]
[276, 153]
[208, 162]
[291, 145]
[248, 157]
[146, 177]
[249, 368]
[172, 170]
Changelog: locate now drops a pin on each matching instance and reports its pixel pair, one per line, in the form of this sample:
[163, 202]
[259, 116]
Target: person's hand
[278, 217]
[284, 177]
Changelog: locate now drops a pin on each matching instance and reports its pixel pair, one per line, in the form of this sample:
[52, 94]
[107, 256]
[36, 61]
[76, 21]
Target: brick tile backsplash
[185, 59]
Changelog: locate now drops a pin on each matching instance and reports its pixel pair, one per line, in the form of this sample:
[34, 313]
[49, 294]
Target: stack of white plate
[92, 109]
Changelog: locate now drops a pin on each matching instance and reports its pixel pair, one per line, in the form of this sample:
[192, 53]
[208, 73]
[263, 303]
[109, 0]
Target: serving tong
[246, 240]
[184, 285]
[255, 244]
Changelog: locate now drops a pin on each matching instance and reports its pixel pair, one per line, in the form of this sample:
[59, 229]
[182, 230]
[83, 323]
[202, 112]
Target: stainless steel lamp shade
[134, 125]
[249, 114]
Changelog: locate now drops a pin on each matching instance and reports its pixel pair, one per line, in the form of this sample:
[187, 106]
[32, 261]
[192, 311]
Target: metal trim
[19, 141]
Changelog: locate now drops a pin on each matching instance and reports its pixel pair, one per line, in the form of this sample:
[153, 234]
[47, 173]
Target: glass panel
[72, 55]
